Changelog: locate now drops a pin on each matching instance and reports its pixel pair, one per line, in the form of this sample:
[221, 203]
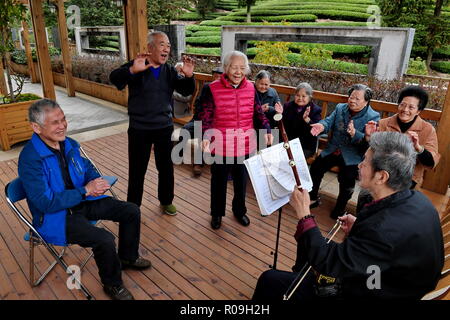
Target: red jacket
[233, 117]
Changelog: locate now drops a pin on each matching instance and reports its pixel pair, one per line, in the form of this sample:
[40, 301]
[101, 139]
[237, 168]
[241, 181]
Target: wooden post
[3, 87]
[63, 39]
[135, 23]
[45, 68]
[438, 179]
[28, 53]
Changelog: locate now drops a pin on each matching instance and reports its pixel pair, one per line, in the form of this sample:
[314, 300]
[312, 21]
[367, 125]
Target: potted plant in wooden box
[14, 126]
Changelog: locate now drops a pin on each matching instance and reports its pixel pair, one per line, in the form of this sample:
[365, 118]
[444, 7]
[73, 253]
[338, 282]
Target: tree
[11, 13]
[248, 4]
[432, 30]
[163, 11]
[205, 6]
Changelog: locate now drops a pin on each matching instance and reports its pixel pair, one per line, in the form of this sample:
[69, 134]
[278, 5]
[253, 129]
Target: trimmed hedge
[208, 41]
[206, 33]
[194, 16]
[210, 51]
[293, 18]
[330, 65]
[441, 66]
[196, 27]
[340, 49]
[285, 10]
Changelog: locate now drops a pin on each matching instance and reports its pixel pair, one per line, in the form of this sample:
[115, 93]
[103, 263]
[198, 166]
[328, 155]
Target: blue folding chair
[15, 192]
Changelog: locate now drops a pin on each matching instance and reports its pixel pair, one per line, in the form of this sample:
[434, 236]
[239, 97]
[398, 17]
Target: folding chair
[15, 192]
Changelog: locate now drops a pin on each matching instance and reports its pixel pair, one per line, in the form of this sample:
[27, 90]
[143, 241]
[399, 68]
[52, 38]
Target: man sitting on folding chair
[65, 192]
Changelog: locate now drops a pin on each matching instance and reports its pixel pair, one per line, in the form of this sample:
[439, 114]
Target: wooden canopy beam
[28, 53]
[136, 28]
[45, 68]
[63, 38]
[438, 179]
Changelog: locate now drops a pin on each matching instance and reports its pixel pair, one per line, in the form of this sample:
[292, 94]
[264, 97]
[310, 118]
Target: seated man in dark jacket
[393, 250]
[64, 192]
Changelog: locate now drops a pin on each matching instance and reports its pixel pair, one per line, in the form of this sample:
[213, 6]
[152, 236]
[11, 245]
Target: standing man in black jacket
[393, 250]
[151, 82]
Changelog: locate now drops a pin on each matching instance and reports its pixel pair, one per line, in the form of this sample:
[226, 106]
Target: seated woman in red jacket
[230, 108]
[299, 114]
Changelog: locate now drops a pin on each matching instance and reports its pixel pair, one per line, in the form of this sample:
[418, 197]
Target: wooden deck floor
[190, 260]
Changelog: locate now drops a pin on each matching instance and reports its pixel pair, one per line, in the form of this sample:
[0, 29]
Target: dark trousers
[273, 284]
[139, 147]
[80, 231]
[219, 178]
[347, 177]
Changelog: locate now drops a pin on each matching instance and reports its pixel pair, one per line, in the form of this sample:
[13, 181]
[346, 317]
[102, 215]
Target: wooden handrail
[431, 182]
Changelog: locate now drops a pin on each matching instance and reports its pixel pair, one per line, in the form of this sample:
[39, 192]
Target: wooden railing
[436, 180]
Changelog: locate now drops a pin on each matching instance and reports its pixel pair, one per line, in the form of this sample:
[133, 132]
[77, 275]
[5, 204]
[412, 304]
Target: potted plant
[14, 126]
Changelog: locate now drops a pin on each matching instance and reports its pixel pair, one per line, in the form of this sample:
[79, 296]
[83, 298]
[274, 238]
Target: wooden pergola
[135, 23]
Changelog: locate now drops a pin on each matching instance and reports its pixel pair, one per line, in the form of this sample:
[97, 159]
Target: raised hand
[188, 66]
[278, 107]
[139, 63]
[306, 114]
[415, 140]
[351, 129]
[316, 129]
[370, 128]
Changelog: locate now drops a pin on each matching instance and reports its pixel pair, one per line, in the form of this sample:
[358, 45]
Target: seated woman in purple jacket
[299, 114]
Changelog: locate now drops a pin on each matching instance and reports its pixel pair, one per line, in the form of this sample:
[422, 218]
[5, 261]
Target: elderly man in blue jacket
[344, 149]
[65, 192]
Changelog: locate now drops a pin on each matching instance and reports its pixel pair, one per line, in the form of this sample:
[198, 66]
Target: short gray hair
[151, 36]
[230, 55]
[368, 93]
[306, 86]
[263, 74]
[394, 153]
[38, 110]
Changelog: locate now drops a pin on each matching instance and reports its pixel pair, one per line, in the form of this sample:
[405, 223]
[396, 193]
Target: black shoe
[118, 292]
[315, 203]
[139, 264]
[336, 214]
[216, 222]
[244, 220]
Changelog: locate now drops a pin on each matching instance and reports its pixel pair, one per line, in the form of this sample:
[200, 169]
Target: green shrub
[210, 51]
[21, 98]
[206, 33]
[205, 41]
[339, 49]
[417, 66]
[329, 65]
[442, 53]
[19, 57]
[196, 27]
[441, 66]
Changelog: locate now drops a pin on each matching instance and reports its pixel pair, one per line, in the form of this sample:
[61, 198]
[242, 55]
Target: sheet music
[272, 177]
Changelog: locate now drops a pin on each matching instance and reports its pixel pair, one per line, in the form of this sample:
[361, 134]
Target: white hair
[230, 55]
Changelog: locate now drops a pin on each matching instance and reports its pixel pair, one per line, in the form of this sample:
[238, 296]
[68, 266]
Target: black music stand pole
[275, 254]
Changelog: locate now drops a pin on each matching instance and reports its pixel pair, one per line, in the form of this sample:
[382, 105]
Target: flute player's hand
[300, 202]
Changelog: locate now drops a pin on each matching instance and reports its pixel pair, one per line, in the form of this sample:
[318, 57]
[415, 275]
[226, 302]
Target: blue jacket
[47, 197]
[337, 122]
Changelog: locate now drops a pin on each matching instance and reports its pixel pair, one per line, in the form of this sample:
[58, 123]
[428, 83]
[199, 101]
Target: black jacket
[149, 99]
[400, 234]
[296, 127]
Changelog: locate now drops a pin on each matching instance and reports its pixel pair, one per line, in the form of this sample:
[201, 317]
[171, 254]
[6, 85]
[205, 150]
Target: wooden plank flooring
[190, 260]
